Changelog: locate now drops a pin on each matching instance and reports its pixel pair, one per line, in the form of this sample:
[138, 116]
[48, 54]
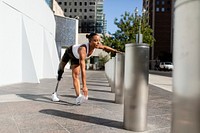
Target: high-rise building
[160, 19]
[89, 13]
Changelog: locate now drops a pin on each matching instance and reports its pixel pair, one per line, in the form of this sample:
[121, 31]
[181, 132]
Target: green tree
[128, 27]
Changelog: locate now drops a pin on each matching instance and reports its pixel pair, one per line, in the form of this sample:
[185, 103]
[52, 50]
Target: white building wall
[27, 42]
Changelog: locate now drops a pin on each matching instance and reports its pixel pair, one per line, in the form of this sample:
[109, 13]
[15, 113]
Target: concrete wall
[27, 41]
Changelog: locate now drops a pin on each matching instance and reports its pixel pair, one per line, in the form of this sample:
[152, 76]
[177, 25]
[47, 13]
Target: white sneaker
[79, 99]
[86, 98]
[54, 97]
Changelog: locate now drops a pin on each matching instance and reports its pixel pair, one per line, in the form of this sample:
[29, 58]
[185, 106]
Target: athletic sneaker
[79, 99]
[86, 98]
[54, 97]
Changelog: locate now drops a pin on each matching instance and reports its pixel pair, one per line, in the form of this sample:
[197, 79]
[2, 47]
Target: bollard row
[128, 77]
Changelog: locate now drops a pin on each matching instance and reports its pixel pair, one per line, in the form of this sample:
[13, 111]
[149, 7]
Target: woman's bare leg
[76, 80]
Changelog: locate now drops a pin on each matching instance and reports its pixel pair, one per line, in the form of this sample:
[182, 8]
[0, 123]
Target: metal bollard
[186, 74]
[136, 86]
[119, 78]
[113, 75]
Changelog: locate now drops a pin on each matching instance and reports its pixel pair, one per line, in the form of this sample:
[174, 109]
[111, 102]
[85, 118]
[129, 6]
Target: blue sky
[115, 8]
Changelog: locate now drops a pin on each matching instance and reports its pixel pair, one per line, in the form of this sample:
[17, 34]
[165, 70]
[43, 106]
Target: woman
[78, 54]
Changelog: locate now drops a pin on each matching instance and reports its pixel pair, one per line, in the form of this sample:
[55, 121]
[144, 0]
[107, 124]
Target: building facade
[160, 20]
[89, 13]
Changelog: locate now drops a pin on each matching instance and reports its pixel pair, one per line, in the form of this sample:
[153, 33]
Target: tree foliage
[128, 27]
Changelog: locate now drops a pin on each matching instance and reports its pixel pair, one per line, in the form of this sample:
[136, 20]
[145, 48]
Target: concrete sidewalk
[27, 108]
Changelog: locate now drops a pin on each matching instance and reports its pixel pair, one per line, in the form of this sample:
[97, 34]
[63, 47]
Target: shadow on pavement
[107, 91]
[95, 84]
[84, 118]
[98, 81]
[95, 99]
[43, 98]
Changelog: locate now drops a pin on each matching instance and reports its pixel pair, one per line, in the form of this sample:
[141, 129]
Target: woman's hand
[85, 91]
[116, 51]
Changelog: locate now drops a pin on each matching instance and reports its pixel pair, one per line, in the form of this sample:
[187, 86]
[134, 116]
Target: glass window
[163, 9]
[91, 10]
[65, 10]
[85, 10]
[157, 2]
[85, 3]
[65, 3]
[168, 9]
[85, 17]
[59, 3]
[157, 9]
[80, 10]
[92, 3]
[75, 10]
[163, 2]
[80, 3]
[70, 3]
[75, 3]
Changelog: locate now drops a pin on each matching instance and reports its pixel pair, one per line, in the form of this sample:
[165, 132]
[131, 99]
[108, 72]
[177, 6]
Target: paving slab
[27, 108]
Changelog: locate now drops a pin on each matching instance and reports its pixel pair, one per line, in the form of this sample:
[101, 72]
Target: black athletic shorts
[68, 56]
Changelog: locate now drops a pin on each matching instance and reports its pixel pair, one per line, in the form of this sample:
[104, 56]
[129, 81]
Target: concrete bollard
[119, 78]
[136, 86]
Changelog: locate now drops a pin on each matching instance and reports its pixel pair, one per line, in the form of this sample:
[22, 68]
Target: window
[65, 3]
[59, 3]
[75, 10]
[65, 10]
[85, 3]
[157, 9]
[90, 17]
[75, 3]
[163, 9]
[157, 2]
[70, 3]
[92, 3]
[168, 9]
[80, 10]
[70, 10]
[163, 2]
[80, 3]
[91, 10]
[85, 17]
[85, 10]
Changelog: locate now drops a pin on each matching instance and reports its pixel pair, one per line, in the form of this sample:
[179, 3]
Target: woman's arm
[108, 49]
[83, 55]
